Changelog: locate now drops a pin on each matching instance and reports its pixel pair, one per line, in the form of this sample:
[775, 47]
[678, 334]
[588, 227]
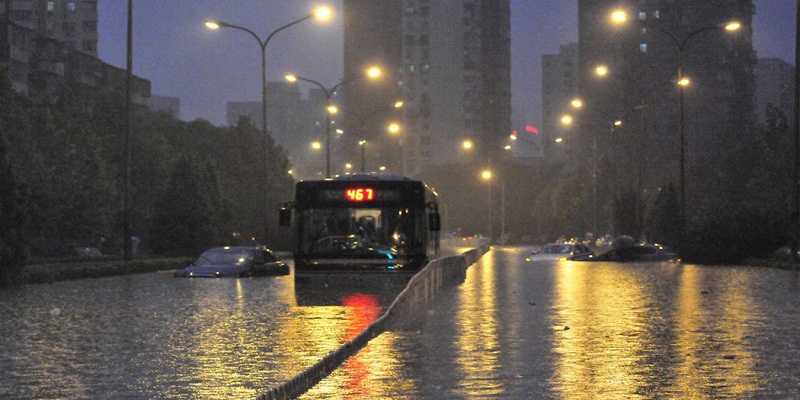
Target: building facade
[296, 121]
[449, 62]
[45, 43]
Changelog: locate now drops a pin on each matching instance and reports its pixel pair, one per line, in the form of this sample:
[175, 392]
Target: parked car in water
[235, 261]
[635, 252]
[561, 251]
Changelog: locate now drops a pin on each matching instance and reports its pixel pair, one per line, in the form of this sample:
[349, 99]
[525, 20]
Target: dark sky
[207, 69]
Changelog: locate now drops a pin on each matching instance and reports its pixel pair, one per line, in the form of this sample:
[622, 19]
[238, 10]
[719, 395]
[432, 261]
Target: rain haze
[206, 69]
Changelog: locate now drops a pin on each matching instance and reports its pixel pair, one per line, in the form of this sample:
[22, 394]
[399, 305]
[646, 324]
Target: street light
[322, 13]
[467, 144]
[370, 73]
[620, 17]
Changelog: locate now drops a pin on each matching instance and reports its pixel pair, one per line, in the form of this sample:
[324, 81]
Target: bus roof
[370, 176]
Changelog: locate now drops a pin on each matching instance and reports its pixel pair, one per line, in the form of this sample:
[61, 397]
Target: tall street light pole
[372, 73]
[796, 135]
[322, 13]
[126, 195]
[683, 82]
[620, 17]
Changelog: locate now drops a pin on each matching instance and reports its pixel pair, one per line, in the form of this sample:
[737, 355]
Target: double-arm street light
[371, 73]
[322, 13]
[621, 17]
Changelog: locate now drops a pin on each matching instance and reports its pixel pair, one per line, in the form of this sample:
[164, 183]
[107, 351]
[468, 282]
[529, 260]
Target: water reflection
[667, 329]
[155, 336]
[478, 346]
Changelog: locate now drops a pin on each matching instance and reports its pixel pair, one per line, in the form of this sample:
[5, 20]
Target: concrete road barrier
[420, 291]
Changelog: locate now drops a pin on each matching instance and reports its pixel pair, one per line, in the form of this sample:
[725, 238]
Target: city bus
[365, 223]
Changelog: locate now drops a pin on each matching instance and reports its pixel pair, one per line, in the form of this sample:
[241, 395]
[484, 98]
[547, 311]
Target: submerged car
[561, 251]
[235, 261]
[636, 252]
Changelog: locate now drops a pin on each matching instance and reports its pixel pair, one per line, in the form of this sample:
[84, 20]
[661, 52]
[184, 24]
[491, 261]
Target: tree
[663, 223]
[14, 193]
[183, 221]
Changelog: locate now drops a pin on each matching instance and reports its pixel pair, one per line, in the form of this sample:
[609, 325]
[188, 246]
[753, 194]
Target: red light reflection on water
[361, 310]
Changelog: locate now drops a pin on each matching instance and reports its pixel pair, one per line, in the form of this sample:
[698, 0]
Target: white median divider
[421, 289]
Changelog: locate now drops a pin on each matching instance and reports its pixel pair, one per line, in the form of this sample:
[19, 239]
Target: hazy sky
[206, 69]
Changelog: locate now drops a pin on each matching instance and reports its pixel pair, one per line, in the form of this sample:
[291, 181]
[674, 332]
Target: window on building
[423, 40]
[90, 26]
[643, 47]
[89, 45]
[51, 6]
[71, 6]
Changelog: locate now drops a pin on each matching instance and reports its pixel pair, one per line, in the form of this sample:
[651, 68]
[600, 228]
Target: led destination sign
[360, 194]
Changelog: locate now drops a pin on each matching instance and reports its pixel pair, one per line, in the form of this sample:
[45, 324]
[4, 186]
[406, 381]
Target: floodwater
[582, 330]
[512, 330]
[156, 336]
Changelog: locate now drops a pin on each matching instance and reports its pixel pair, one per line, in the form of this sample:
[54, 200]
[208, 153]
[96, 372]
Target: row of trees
[193, 185]
[746, 213]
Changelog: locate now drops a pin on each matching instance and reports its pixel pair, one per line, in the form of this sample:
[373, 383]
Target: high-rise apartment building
[73, 22]
[448, 61]
[44, 42]
[666, 127]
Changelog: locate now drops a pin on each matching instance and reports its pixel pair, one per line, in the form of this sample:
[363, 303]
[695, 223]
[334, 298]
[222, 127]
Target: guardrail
[421, 289]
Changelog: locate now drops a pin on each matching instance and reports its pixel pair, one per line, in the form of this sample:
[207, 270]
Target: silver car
[561, 251]
[235, 261]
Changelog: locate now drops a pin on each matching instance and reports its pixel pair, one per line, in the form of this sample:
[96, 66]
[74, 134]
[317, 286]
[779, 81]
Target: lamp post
[620, 17]
[395, 129]
[322, 13]
[372, 73]
[488, 176]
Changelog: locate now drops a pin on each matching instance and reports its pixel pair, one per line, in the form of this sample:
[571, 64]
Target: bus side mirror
[285, 217]
[434, 222]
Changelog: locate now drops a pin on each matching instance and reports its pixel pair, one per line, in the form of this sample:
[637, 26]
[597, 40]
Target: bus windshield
[361, 232]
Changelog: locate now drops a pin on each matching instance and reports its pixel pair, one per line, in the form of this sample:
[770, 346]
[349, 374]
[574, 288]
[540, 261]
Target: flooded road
[512, 330]
[155, 336]
[580, 330]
